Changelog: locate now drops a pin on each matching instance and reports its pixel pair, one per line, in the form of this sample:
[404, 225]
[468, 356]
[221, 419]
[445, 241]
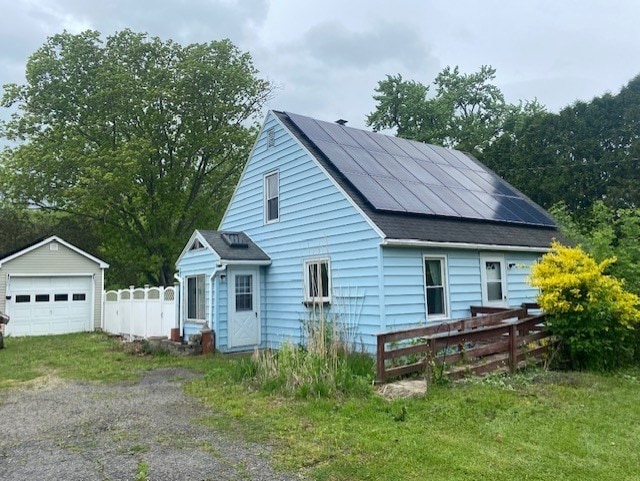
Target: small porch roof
[229, 247]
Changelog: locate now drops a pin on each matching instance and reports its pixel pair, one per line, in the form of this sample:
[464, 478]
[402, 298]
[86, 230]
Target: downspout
[180, 300]
[214, 304]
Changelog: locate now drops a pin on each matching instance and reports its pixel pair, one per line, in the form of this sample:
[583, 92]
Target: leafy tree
[142, 139]
[587, 152]
[606, 232]
[590, 311]
[20, 227]
[466, 111]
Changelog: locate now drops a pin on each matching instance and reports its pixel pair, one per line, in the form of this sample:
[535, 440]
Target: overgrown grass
[534, 426]
[325, 366]
[543, 426]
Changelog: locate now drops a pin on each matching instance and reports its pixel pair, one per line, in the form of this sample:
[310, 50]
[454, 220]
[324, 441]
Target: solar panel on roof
[339, 134]
[404, 194]
[445, 179]
[364, 140]
[366, 161]
[341, 158]
[311, 128]
[429, 198]
[422, 175]
[400, 175]
[375, 193]
[387, 144]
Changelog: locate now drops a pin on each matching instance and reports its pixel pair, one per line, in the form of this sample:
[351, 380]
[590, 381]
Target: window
[436, 288]
[244, 292]
[317, 281]
[494, 281]
[42, 297]
[494, 286]
[61, 297]
[79, 297]
[195, 298]
[271, 197]
[23, 298]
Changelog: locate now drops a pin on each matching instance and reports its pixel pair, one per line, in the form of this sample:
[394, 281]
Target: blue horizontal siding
[196, 263]
[519, 289]
[316, 220]
[404, 290]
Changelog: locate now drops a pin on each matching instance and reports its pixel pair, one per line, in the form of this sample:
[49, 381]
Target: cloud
[336, 46]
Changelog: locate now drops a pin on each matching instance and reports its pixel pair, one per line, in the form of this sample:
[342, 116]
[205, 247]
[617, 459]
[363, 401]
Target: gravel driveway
[67, 430]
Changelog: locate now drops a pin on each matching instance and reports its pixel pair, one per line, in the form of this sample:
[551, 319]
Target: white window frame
[267, 198]
[325, 298]
[203, 291]
[444, 272]
[484, 258]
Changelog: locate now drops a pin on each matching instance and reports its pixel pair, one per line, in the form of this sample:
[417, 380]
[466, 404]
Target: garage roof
[41, 242]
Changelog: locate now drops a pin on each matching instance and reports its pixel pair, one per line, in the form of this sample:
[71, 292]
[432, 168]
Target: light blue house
[383, 233]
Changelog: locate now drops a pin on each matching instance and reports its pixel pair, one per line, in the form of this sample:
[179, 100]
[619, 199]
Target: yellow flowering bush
[591, 312]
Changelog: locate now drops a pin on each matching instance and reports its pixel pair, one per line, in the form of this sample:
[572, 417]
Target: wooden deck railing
[492, 338]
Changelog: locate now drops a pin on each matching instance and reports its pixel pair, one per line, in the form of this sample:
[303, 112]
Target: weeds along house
[383, 233]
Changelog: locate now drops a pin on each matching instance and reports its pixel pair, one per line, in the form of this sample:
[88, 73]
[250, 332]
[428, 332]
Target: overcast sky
[326, 57]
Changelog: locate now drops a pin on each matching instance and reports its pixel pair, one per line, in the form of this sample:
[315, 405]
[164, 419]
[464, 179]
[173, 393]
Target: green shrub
[590, 312]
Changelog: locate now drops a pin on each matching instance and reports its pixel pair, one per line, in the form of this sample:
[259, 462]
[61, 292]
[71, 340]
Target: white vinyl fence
[141, 312]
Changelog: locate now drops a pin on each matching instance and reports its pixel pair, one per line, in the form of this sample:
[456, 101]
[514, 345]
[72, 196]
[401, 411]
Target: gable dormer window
[271, 198]
[197, 245]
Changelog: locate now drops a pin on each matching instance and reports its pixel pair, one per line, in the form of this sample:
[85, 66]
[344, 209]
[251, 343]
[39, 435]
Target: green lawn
[537, 426]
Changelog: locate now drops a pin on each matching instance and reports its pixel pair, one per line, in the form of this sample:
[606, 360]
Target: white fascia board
[226, 262]
[55, 238]
[461, 245]
[333, 181]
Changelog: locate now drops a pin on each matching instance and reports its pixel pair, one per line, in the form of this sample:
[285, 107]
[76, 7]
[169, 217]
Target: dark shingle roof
[234, 246]
[427, 221]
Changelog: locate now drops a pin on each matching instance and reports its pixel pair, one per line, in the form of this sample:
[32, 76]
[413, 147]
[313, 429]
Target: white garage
[51, 287]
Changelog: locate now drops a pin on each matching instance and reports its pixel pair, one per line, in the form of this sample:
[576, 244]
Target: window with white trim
[271, 197]
[435, 279]
[195, 298]
[317, 281]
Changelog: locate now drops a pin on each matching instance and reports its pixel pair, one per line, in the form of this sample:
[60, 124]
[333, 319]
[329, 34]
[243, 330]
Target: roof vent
[234, 239]
[341, 121]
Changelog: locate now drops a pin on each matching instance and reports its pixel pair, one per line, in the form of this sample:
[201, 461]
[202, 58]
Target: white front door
[244, 315]
[494, 281]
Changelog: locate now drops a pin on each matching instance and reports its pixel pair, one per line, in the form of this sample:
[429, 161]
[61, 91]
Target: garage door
[49, 305]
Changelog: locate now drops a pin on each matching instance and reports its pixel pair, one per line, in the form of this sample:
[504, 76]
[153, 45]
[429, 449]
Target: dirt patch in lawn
[55, 429]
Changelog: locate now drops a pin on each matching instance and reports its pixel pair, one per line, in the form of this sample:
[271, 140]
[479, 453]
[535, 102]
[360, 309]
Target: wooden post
[431, 359]
[513, 348]
[381, 374]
